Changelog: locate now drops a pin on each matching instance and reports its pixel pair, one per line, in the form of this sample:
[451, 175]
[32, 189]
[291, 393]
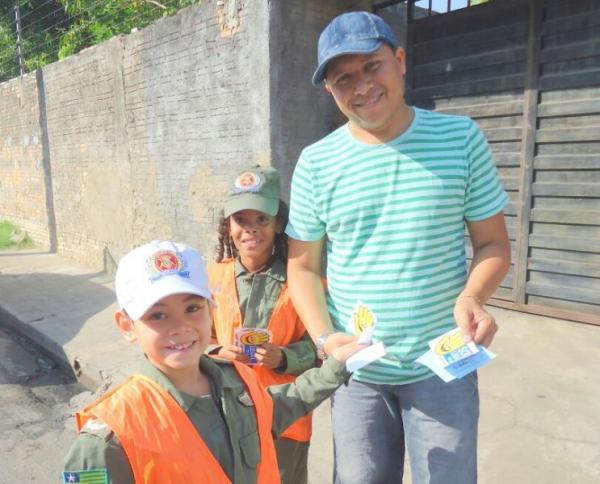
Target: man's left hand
[475, 322]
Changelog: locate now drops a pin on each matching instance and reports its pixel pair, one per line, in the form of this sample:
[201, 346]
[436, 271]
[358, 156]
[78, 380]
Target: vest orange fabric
[161, 443]
[285, 326]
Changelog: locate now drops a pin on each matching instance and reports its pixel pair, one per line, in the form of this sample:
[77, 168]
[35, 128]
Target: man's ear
[326, 87]
[400, 56]
[125, 326]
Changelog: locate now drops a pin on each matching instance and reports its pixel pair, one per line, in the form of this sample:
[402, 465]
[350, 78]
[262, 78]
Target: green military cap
[255, 188]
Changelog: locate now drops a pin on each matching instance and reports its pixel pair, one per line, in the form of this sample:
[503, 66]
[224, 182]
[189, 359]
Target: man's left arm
[491, 261]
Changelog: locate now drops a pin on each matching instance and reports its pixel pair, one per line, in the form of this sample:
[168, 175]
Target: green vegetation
[12, 237]
[55, 29]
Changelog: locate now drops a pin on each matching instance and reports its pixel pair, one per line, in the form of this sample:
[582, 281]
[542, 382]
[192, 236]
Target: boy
[186, 417]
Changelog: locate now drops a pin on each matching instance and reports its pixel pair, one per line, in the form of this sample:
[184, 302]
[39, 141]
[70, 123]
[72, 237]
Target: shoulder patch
[95, 476]
[94, 426]
[97, 428]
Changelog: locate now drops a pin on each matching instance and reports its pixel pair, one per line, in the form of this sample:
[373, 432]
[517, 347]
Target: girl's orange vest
[285, 327]
[161, 443]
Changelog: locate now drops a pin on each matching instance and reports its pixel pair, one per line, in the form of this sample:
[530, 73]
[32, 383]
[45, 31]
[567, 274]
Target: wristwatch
[320, 344]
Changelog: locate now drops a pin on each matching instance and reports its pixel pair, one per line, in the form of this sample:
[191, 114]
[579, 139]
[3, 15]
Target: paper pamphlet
[249, 339]
[362, 322]
[366, 356]
[451, 357]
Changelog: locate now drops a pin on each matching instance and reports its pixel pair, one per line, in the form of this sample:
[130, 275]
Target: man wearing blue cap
[391, 191]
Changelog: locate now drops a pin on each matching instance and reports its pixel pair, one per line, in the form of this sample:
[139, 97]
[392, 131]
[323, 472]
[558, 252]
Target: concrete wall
[22, 180]
[139, 137]
[147, 130]
[300, 112]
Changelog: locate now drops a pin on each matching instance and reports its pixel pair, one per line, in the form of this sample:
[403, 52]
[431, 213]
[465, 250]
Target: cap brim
[164, 287]
[250, 201]
[367, 46]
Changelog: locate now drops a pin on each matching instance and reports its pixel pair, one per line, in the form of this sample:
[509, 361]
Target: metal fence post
[19, 43]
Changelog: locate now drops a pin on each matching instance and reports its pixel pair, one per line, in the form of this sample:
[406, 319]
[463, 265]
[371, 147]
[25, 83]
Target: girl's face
[253, 234]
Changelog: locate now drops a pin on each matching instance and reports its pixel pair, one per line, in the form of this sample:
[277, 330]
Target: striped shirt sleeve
[304, 223]
[485, 196]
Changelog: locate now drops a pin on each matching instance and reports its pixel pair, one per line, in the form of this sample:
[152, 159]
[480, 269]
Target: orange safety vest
[285, 327]
[161, 443]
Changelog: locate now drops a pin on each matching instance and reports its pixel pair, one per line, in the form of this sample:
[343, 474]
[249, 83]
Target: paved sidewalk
[540, 399]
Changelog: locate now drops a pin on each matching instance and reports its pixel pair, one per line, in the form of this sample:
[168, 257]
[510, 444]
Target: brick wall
[146, 131]
[300, 112]
[22, 181]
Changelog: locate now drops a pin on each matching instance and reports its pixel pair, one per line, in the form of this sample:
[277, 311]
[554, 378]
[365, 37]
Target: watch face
[320, 344]
[321, 354]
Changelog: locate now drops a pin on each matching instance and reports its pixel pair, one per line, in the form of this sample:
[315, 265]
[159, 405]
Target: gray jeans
[435, 421]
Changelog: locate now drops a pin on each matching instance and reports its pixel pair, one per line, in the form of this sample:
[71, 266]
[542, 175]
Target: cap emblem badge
[165, 262]
[247, 182]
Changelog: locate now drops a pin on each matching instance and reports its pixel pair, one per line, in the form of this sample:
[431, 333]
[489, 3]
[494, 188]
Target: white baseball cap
[156, 270]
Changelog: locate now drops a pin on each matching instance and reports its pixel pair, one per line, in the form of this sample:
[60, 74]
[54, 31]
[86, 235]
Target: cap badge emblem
[247, 182]
[165, 262]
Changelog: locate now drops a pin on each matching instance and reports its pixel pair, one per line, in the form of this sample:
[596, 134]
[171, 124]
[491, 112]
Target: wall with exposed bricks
[145, 132]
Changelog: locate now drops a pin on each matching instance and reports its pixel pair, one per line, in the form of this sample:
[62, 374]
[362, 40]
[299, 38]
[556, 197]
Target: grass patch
[11, 237]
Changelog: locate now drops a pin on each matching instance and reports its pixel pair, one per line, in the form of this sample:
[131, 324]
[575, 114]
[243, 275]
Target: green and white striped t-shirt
[394, 217]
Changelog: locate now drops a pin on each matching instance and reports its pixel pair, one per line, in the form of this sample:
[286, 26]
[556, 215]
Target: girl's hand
[232, 352]
[269, 355]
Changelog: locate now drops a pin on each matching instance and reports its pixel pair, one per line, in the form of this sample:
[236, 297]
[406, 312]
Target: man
[391, 191]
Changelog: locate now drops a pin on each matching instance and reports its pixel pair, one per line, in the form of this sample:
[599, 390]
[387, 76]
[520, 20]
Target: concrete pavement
[540, 410]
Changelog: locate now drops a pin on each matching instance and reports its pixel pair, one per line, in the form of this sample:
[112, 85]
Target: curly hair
[225, 248]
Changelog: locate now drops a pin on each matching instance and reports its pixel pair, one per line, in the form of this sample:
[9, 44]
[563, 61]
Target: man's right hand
[232, 352]
[344, 348]
[337, 340]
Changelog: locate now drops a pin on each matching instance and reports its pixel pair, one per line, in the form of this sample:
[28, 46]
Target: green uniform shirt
[258, 293]
[227, 426]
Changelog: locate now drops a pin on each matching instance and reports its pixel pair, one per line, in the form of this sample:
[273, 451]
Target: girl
[249, 286]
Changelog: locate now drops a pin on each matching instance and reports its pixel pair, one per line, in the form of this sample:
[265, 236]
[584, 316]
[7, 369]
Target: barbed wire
[51, 34]
[35, 47]
[30, 25]
[26, 14]
[71, 18]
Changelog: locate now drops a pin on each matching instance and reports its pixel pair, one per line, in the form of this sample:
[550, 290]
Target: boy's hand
[269, 355]
[345, 350]
[232, 352]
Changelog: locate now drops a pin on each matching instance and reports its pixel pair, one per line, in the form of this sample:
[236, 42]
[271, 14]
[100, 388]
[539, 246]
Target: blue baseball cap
[352, 33]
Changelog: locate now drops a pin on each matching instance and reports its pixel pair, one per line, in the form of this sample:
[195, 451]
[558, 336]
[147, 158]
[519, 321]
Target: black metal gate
[529, 72]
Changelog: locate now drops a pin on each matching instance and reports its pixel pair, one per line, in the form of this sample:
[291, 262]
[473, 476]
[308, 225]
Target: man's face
[369, 90]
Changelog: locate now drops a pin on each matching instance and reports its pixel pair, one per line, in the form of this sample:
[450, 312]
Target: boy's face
[173, 333]
[253, 233]
[369, 90]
